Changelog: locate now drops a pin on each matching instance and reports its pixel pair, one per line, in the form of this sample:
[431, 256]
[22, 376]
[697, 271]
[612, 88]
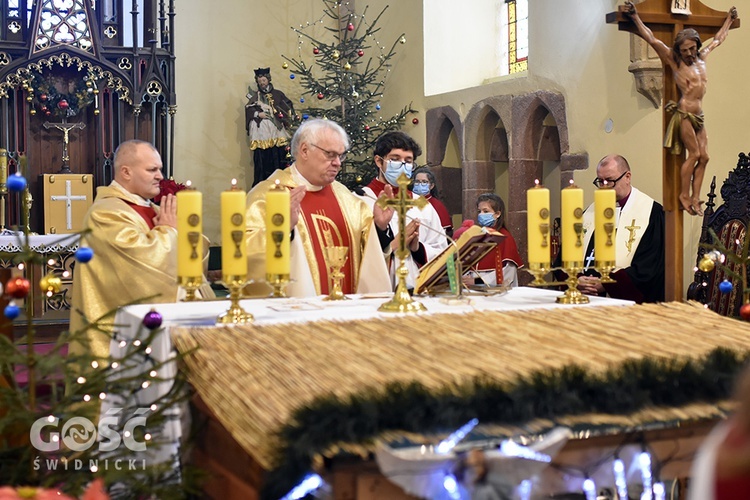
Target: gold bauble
[285, 65]
[706, 264]
[347, 66]
[335, 55]
[50, 283]
[33, 112]
[29, 98]
[96, 112]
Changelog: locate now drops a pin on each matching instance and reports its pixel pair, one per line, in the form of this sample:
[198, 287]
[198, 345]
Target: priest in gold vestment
[323, 212]
[134, 244]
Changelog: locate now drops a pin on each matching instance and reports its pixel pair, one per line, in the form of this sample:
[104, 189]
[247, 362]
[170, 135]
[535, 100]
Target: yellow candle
[233, 259]
[277, 231]
[571, 221]
[189, 233]
[604, 214]
[538, 227]
[3, 166]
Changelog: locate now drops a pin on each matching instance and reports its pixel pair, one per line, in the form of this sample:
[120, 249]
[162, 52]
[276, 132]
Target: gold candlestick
[235, 315]
[278, 282]
[191, 285]
[335, 258]
[539, 272]
[572, 295]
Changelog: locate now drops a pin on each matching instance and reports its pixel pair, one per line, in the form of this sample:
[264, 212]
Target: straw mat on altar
[254, 377]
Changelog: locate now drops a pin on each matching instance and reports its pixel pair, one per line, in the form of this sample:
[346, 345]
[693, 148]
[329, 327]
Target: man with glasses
[323, 213]
[394, 154]
[639, 240]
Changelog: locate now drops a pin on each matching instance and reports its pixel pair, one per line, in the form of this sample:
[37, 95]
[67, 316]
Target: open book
[473, 244]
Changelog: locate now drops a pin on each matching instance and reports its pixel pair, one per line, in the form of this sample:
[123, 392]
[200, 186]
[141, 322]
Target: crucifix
[665, 22]
[402, 301]
[65, 127]
[69, 198]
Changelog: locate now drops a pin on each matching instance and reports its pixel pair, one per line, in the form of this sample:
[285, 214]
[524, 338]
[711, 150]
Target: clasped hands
[590, 285]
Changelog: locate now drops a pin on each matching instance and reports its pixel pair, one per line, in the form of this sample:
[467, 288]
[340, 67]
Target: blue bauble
[84, 254]
[377, 106]
[16, 183]
[11, 311]
[301, 99]
[305, 116]
[725, 286]
[291, 77]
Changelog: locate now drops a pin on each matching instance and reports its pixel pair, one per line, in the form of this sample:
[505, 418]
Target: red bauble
[321, 96]
[415, 121]
[367, 127]
[42, 97]
[63, 104]
[350, 27]
[47, 113]
[18, 288]
[43, 108]
[360, 52]
[316, 51]
[745, 312]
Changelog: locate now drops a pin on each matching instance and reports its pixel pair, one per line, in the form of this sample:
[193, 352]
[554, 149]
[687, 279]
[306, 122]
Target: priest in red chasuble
[323, 213]
[134, 244]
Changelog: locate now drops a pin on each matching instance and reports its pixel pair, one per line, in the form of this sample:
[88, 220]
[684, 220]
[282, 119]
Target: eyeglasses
[602, 182]
[331, 155]
[422, 182]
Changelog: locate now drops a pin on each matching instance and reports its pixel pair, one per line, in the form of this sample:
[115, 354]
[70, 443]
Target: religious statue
[268, 116]
[686, 128]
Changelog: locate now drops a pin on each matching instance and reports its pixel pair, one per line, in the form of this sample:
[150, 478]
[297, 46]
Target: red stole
[327, 227]
[148, 213]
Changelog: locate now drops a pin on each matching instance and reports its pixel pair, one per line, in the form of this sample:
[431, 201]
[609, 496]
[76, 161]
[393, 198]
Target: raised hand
[295, 198]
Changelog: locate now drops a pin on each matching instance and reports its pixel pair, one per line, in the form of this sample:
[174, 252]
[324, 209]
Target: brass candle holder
[235, 315]
[572, 295]
[539, 271]
[335, 258]
[191, 285]
[278, 282]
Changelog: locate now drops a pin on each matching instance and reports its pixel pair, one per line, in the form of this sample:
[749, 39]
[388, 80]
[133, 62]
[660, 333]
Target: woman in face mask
[500, 266]
[423, 184]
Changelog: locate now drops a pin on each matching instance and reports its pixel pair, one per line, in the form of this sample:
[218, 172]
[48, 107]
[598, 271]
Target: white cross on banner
[68, 199]
[76, 190]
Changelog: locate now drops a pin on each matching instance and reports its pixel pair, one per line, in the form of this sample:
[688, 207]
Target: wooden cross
[658, 16]
[65, 127]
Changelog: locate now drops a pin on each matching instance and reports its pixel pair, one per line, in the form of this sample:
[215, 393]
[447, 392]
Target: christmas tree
[347, 77]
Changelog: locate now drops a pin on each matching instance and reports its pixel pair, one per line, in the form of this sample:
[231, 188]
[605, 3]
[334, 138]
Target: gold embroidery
[632, 227]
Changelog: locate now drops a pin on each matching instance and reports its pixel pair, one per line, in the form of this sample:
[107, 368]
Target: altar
[314, 385]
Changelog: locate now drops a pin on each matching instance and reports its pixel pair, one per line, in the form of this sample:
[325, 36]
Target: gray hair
[310, 131]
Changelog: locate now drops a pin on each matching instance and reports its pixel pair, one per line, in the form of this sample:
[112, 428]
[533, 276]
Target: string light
[513, 449]
[451, 487]
[305, 487]
[524, 489]
[620, 481]
[644, 462]
[660, 492]
[450, 442]
[589, 489]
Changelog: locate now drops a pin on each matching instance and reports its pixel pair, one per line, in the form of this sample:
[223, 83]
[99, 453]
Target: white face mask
[394, 168]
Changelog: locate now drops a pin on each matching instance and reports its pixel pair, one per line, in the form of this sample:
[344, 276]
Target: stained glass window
[63, 22]
[514, 36]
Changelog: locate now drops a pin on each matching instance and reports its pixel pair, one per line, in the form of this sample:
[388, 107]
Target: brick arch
[440, 123]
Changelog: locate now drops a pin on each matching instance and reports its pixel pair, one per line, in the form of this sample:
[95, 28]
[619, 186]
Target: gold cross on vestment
[632, 227]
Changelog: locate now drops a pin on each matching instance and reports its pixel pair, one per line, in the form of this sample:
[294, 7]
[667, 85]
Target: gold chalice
[335, 258]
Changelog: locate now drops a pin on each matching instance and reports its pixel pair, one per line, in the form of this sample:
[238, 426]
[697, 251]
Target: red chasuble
[148, 213]
[327, 227]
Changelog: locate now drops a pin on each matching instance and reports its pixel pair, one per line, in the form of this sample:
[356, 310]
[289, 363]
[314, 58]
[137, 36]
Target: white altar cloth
[128, 321]
[40, 243]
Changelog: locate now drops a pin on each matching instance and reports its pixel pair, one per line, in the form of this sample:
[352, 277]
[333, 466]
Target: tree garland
[59, 95]
[570, 390]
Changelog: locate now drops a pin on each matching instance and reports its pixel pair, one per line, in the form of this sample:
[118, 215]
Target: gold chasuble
[331, 215]
[131, 263]
[327, 228]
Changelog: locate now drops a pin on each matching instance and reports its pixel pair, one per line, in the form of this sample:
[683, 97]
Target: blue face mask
[486, 220]
[393, 170]
[421, 189]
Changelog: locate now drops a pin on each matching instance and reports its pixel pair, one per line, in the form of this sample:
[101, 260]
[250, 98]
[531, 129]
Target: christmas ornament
[63, 104]
[291, 76]
[745, 312]
[18, 287]
[350, 27]
[305, 116]
[302, 99]
[285, 65]
[320, 95]
[33, 112]
[725, 286]
[16, 182]
[335, 55]
[402, 40]
[377, 106]
[316, 51]
[47, 113]
[360, 52]
[716, 256]
[367, 127]
[347, 66]
[415, 121]
[355, 94]
[84, 254]
[706, 264]
[42, 97]
[43, 108]
[50, 284]
[11, 311]
[152, 320]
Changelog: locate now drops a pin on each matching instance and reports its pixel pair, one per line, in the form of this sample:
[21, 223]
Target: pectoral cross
[69, 198]
[590, 259]
[402, 301]
[665, 23]
[632, 227]
[65, 127]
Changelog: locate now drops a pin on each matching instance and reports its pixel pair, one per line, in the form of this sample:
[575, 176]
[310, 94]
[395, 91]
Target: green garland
[571, 390]
[49, 92]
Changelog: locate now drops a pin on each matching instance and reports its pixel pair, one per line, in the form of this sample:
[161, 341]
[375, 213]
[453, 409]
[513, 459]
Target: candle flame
[570, 182]
[188, 184]
[234, 183]
[536, 182]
